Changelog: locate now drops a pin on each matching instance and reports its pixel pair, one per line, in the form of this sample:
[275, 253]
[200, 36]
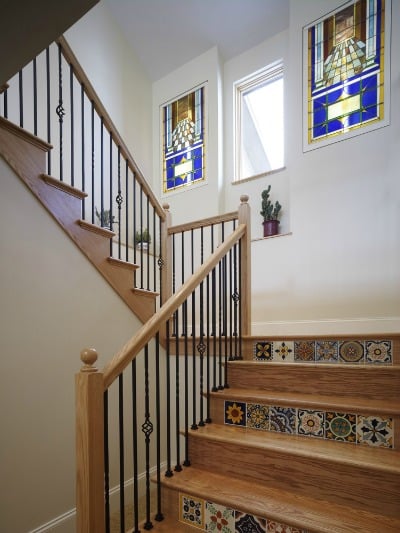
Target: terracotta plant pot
[271, 227]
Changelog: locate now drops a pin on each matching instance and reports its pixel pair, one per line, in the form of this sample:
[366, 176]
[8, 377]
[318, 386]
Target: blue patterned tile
[375, 431]
[304, 351]
[191, 510]
[351, 352]
[235, 413]
[326, 351]
[282, 419]
[340, 427]
[310, 423]
[257, 416]
[246, 523]
[379, 351]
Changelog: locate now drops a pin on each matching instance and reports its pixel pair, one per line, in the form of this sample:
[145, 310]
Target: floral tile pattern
[246, 523]
[310, 423]
[235, 413]
[283, 351]
[263, 351]
[257, 416]
[326, 351]
[219, 518]
[379, 351]
[275, 527]
[304, 351]
[191, 510]
[351, 352]
[375, 431]
[282, 419]
[340, 427]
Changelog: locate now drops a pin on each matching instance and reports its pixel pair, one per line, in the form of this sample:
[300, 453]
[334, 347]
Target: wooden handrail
[108, 123]
[130, 350]
[218, 219]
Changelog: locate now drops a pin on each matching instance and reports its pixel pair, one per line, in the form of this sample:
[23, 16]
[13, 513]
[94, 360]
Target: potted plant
[104, 218]
[142, 238]
[270, 213]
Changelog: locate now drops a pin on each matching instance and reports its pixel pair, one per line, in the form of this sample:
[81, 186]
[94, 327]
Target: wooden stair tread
[315, 401]
[96, 229]
[145, 292]
[366, 457]
[283, 506]
[122, 264]
[62, 186]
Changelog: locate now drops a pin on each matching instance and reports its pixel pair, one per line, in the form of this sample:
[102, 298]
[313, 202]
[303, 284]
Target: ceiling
[165, 34]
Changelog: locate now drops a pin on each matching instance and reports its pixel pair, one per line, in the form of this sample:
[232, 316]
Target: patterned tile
[219, 518]
[375, 431]
[310, 423]
[351, 352]
[275, 527]
[263, 351]
[282, 419]
[246, 523]
[191, 510]
[379, 351]
[304, 351]
[326, 351]
[235, 413]
[257, 416]
[283, 351]
[340, 427]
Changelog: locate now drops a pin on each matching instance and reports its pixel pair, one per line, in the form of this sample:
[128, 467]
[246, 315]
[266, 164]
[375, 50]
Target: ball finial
[244, 198]
[88, 357]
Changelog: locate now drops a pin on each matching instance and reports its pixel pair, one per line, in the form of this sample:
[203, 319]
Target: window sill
[257, 176]
[272, 237]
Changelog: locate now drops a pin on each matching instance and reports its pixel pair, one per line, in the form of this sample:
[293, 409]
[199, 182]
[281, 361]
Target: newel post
[89, 395]
[245, 261]
[166, 255]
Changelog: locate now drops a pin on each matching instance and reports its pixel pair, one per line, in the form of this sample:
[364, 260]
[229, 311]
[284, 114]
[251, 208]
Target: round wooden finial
[88, 357]
[244, 198]
[165, 207]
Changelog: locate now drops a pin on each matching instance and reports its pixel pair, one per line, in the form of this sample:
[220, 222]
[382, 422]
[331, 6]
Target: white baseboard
[65, 523]
[351, 326]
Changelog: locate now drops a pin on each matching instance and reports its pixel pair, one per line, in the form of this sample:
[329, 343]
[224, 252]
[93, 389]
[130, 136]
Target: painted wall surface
[201, 201]
[54, 303]
[339, 270]
[118, 78]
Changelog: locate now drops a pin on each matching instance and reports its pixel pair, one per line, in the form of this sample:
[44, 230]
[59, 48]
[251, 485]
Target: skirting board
[65, 523]
[351, 326]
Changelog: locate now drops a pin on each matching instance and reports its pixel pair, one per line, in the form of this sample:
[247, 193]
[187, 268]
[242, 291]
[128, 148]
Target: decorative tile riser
[327, 480]
[369, 430]
[356, 351]
[341, 380]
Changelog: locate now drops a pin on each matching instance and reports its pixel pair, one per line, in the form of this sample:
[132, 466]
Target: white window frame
[241, 87]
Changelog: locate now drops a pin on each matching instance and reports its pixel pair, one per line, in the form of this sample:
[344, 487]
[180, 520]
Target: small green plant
[269, 211]
[143, 236]
[104, 217]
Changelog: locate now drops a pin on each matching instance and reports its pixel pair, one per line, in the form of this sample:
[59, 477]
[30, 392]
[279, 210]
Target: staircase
[303, 440]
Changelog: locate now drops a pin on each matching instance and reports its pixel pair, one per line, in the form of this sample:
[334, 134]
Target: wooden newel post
[89, 390]
[166, 254]
[245, 261]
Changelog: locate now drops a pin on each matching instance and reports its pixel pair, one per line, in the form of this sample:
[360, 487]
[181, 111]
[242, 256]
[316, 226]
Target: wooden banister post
[245, 260]
[89, 390]
[166, 254]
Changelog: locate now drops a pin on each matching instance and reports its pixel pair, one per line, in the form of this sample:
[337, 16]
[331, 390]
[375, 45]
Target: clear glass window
[259, 122]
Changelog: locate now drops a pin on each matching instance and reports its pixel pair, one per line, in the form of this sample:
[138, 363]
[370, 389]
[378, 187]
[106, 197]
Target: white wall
[118, 78]
[53, 304]
[198, 201]
[339, 271]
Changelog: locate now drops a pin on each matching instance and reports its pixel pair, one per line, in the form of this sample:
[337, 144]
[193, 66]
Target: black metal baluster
[35, 105]
[121, 453]
[186, 462]
[225, 318]
[147, 428]
[134, 221]
[111, 193]
[214, 326]
[178, 466]
[5, 103]
[119, 201]
[126, 210]
[154, 252]
[60, 111]
[173, 280]
[230, 306]
[71, 92]
[102, 221]
[194, 370]
[141, 232]
[235, 298]
[148, 245]
[83, 146]
[201, 346]
[220, 332]
[184, 326]
[159, 515]
[106, 464]
[168, 472]
[135, 449]
[21, 98]
[92, 117]
[240, 307]
[48, 108]
[208, 419]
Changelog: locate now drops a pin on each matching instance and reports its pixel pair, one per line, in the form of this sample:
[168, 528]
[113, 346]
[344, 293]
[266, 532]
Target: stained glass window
[183, 141]
[346, 70]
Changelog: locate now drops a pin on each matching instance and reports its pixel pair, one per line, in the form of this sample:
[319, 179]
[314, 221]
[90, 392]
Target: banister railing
[53, 99]
[166, 390]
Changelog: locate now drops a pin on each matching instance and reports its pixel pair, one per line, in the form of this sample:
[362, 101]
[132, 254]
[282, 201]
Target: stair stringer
[26, 155]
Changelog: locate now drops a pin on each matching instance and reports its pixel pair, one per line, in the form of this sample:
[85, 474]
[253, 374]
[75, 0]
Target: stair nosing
[96, 229]
[62, 186]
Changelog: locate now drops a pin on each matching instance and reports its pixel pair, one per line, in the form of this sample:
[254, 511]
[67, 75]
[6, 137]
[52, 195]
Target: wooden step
[282, 506]
[378, 382]
[338, 472]
[359, 405]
